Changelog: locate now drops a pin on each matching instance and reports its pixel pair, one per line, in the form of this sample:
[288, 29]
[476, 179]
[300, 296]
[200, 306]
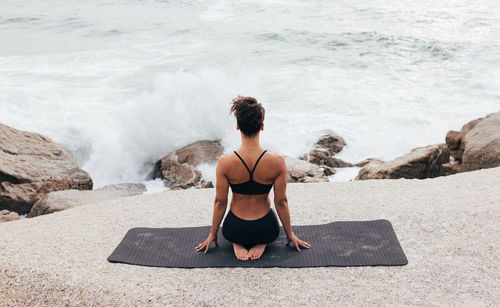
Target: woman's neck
[250, 143]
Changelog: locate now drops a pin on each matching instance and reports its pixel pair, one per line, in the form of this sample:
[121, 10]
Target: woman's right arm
[281, 204]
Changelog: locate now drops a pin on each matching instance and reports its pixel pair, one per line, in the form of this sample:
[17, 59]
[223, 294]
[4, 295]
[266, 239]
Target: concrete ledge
[447, 226]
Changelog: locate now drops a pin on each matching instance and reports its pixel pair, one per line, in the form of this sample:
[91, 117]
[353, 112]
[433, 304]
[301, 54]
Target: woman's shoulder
[274, 155]
[275, 158]
[225, 157]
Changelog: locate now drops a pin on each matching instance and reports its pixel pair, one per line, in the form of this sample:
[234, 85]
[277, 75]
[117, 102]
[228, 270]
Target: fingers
[200, 246]
[305, 244]
[205, 245]
[298, 243]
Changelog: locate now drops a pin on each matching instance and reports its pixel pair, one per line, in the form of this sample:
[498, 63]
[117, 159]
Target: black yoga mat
[364, 243]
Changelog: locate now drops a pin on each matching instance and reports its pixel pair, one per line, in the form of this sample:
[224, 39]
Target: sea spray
[182, 108]
[388, 76]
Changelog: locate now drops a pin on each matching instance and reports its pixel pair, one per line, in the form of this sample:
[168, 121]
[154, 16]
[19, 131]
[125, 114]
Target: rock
[420, 163]
[178, 169]
[133, 187]
[328, 171]
[324, 150]
[452, 167]
[366, 161]
[6, 216]
[324, 158]
[331, 141]
[302, 171]
[455, 139]
[62, 200]
[32, 165]
[482, 144]
[206, 184]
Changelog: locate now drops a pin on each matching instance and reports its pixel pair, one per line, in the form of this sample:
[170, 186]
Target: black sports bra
[250, 187]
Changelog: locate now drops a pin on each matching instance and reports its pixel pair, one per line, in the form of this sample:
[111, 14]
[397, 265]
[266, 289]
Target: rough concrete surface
[448, 227]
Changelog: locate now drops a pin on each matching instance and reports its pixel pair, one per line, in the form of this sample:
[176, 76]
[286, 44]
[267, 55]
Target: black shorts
[251, 232]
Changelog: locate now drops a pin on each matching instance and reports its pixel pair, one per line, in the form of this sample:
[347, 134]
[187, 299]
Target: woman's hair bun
[247, 100]
[249, 114]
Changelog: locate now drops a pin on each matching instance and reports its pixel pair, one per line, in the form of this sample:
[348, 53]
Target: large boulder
[178, 168]
[482, 144]
[62, 200]
[455, 140]
[302, 171]
[324, 150]
[6, 216]
[420, 163]
[32, 165]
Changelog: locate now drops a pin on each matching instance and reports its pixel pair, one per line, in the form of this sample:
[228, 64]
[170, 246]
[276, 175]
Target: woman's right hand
[298, 242]
[206, 244]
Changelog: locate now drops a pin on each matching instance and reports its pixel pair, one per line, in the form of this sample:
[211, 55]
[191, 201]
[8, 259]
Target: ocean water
[122, 83]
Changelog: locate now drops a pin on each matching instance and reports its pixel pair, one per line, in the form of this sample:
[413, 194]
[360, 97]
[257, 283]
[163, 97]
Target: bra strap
[244, 163]
[257, 162]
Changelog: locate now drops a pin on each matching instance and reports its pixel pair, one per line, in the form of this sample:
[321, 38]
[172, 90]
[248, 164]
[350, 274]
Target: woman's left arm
[220, 205]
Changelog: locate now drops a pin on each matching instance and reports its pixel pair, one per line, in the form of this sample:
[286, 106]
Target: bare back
[230, 169]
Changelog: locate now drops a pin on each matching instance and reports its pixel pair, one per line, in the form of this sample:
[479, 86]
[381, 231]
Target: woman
[250, 223]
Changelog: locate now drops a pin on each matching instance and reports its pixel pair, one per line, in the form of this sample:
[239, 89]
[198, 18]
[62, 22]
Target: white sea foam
[345, 174]
[121, 83]
[208, 171]
[154, 186]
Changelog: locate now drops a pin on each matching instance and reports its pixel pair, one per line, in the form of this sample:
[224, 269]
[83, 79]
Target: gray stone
[6, 216]
[482, 144]
[455, 139]
[324, 150]
[324, 158]
[331, 141]
[178, 169]
[62, 200]
[32, 165]
[302, 171]
[366, 161]
[420, 163]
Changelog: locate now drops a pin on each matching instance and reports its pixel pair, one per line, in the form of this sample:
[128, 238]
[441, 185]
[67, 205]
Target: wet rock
[324, 150]
[331, 141]
[6, 216]
[62, 200]
[32, 165]
[366, 161]
[482, 144]
[455, 139]
[178, 168]
[324, 158]
[420, 163]
[302, 171]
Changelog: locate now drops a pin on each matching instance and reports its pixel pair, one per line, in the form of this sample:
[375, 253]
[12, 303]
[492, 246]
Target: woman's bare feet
[240, 252]
[256, 251]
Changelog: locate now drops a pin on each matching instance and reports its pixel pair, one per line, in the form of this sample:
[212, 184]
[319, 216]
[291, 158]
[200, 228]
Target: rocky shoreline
[37, 176]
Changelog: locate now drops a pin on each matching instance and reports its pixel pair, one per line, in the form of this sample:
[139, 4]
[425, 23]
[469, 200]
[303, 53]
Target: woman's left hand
[206, 244]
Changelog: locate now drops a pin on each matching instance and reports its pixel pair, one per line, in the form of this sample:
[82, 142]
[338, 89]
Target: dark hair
[249, 114]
